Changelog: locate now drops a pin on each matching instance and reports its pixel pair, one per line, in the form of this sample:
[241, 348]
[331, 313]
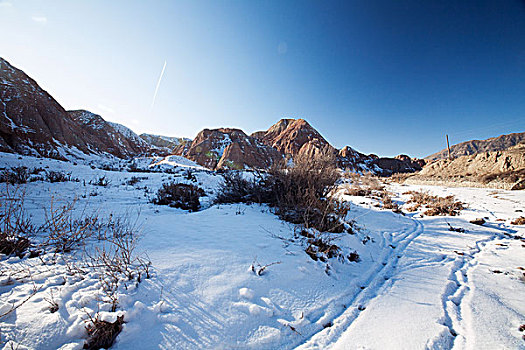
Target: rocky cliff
[32, 122]
[500, 169]
[228, 148]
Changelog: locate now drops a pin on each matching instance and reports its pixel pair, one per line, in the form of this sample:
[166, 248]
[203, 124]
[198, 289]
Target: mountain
[228, 148]
[288, 138]
[293, 137]
[164, 143]
[499, 143]
[500, 169]
[113, 138]
[32, 122]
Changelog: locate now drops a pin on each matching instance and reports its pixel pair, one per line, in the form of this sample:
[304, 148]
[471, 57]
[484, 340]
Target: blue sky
[384, 77]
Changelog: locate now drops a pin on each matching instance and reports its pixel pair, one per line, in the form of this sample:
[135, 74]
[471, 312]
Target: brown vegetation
[15, 225]
[178, 195]
[299, 194]
[519, 221]
[102, 334]
[435, 205]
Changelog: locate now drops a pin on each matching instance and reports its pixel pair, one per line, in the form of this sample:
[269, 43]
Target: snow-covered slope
[417, 284]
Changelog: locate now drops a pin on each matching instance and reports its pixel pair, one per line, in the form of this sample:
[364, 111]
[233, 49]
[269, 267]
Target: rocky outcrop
[397, 165]
[228, 148]
[164, 144]
[501, 169]
[294, 137]
[499, 143]
[33, 123]
[112, 138]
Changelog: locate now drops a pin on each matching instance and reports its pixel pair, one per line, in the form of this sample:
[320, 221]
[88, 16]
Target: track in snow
[374, 283]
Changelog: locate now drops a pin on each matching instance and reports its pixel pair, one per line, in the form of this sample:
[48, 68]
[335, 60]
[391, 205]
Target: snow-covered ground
[417, 284]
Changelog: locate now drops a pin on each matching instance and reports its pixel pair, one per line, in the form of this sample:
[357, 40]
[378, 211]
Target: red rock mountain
[228, 149]
[233, 149]
[113, 138]
[293, 137]
[33, 123]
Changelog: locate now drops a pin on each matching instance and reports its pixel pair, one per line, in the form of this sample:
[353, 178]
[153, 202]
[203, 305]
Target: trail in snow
[398, 243]
[427, 300]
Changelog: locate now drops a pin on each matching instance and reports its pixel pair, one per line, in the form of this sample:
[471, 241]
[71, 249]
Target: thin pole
[448, 146]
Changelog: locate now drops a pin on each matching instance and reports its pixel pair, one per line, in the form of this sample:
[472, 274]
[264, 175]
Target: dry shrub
[510, 176]
[15, 175]
[63, 231]
[356, 190]
[435, 205]
[363, 185]
[321, 247]
[177, 195]
[299, 194]
[519, 221]
[102, 334]
[15, 226]
[57, 176]
[371, 182]
[386, 198]
[236, 189]
[100, 181]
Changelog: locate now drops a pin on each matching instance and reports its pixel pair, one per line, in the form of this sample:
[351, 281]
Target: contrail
[158, 85]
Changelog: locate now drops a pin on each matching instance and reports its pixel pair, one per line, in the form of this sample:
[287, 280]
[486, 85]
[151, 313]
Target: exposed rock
[33, 123]
[229, 149]
[294, 137]
[352, 160]
[499, 169]
[165, 144]
[499, 143]
[391, 166]
[113, 138]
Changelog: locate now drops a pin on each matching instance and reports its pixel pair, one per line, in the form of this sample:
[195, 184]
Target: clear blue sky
[384, 77]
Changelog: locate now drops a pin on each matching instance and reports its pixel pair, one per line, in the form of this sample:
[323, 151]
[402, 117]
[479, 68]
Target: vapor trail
[158, 85]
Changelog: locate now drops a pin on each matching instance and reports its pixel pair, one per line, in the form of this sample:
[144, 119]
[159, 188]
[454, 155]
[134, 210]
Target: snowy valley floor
[417, 285]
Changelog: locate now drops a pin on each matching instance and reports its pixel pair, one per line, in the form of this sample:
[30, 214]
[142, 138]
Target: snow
[127, 133]
[417, 285]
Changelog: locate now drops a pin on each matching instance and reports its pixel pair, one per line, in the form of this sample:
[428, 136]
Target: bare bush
[15, 225]
[62, 230]
[116, 261]
[300, 194]
[364, 185]
[444, 206]
[15, 176]
[236, 189]
[102, 334]
[386, 198]
[177, 195]
[259, 269]
[100, 181]
[135, 180]
[519, 221]
[322, 247]
[57, 176]
[510, 176]
[435, 205]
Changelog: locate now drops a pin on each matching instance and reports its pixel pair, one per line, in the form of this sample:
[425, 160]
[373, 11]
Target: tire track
[377, 280]
[457, 288]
